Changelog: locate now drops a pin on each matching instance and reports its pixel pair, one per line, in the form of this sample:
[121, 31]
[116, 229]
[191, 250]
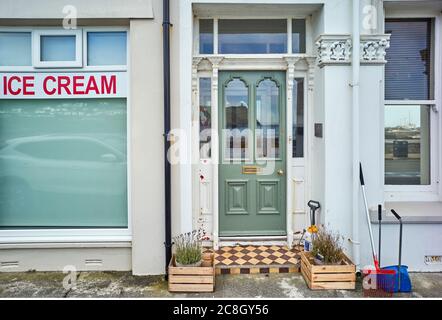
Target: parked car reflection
[61, 177]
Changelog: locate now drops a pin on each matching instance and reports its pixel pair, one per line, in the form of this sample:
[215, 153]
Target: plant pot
[192, 279]
[331, 276]
[196, 264]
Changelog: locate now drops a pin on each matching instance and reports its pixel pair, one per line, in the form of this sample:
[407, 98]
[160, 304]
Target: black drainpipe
[166, 78]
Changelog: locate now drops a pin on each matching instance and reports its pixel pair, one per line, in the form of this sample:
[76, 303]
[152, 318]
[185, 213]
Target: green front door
[252, 180]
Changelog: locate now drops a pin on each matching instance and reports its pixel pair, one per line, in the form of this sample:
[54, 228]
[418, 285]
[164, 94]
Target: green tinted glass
[63, 163]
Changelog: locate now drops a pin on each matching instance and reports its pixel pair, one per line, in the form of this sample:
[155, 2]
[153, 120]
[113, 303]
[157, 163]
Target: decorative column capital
[373, 48]
[333, 49]
[196, 61]
[215, 61]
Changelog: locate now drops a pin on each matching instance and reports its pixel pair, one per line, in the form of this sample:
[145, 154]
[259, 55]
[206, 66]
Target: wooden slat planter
[192, 279]
[328, 276]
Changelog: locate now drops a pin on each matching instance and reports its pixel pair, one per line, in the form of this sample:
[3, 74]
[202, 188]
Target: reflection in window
[267, 120]
[63, 163]
[298, 118]
[205, 100]
[252, 36]
[106, 48]
[298, 36]
[15, 49]
[58, 48]
[408, 71]
[206, 36]
[407, 145]
[236, 120]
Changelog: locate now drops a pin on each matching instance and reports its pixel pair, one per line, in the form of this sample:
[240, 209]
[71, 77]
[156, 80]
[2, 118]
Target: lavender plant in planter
[188, 249]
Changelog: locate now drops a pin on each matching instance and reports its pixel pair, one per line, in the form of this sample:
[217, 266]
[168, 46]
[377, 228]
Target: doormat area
[257, 259]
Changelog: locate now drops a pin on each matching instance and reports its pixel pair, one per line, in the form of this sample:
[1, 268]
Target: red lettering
[45, 85]
[5, 92]
[10, 89]
[28, 83]
[63, 83]
[92, 86]
[108, 87]
[78, 83]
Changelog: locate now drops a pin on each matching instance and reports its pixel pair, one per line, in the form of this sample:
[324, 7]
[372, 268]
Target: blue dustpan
[399, 281]
[404, 285]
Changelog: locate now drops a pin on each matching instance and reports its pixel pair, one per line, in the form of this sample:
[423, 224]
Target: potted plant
[327, 266]
[191, 270]
[188, 250]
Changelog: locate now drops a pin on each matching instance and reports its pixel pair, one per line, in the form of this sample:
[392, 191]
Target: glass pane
[236, 122]
[267, 120]
[57, 48]
[206, 36]
[407, 145]
[205, 116]
[63, 163]
[106, 48]
[252, 36]
[298, 36]
[408, 70]
[298, 118]
[15, 49]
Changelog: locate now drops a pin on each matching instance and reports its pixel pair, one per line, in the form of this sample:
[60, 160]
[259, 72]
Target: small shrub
[188, 248]
[329, 245]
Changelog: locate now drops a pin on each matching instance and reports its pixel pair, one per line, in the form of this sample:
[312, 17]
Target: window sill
[65, 245]
[416, 212]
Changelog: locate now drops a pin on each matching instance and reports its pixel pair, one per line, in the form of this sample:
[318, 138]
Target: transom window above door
[251, 36]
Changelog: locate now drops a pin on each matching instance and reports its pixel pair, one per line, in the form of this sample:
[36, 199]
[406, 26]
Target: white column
[215, 149]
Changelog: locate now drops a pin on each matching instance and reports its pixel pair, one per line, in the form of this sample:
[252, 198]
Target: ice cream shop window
[63, 129]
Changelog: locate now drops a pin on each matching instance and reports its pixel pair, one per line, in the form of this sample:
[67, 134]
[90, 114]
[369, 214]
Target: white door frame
[297, 65]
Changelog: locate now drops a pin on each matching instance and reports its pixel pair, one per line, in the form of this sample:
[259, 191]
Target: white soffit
[254, 10]
[86, 9]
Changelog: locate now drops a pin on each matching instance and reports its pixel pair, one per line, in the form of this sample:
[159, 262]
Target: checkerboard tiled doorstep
[257, 259]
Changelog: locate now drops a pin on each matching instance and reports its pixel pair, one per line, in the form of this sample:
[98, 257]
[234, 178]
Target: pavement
[125, 285]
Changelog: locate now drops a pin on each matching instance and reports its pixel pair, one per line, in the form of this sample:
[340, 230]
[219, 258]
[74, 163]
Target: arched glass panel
[236, 97]
[267, 120]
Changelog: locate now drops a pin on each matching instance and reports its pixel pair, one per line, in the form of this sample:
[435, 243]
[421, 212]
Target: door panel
[252, 183]
[237, 198]
[268, 197]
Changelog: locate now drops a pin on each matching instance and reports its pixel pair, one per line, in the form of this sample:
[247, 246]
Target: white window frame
[36, 48]
[432, 192]
[78, 235]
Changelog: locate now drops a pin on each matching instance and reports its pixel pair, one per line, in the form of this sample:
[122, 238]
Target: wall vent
[9, 264]
[93, 262]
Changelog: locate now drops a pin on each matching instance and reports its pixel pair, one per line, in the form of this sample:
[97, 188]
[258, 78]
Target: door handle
[280, 172]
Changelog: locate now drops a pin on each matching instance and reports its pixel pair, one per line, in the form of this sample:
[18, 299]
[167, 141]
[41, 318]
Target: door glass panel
[267, 120]
[298, 118]
[236, 120]
[205, 117]
[407, 145]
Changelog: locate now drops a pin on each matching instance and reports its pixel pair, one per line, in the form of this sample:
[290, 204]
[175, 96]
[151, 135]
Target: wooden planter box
[192, 279]
[328, 276]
